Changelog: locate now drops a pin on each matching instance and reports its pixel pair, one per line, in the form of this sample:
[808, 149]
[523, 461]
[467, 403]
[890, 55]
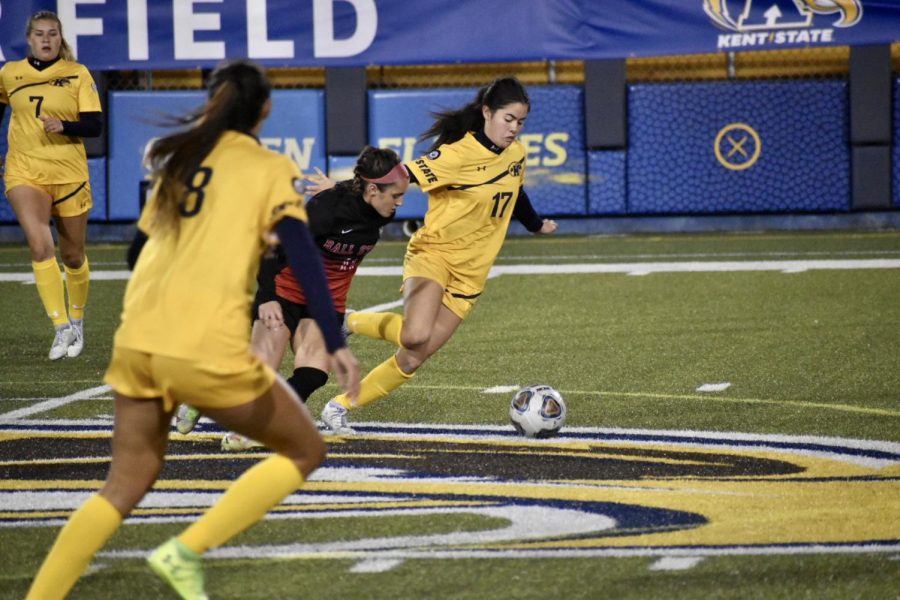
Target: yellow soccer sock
[49, 283]
[78, 282]
[86, 532]
[244, 503]
[381, 326]
[381, 381]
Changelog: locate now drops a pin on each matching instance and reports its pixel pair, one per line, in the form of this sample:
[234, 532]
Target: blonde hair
[65, 51]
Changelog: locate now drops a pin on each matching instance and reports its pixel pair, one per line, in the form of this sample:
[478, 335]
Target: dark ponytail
[238, 90]
[373, 163]
[450, 126]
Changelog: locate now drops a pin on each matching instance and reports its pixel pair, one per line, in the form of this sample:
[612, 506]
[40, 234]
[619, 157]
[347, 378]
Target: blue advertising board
[398, 117]
[553, 137]
[295, 127]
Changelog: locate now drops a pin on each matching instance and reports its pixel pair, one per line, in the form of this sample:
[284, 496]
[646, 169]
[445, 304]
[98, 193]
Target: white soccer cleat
[77, 344]
[236, 442]
[335, 418]
[64, 338]
[186, 419]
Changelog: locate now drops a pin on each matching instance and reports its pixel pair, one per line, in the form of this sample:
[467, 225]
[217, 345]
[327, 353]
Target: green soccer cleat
[186, 419]
[180, 567]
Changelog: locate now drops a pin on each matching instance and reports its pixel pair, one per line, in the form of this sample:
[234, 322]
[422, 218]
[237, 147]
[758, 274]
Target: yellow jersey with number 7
[62, 90]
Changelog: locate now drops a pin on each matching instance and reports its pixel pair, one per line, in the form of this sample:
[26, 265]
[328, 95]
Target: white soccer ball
[537, 411]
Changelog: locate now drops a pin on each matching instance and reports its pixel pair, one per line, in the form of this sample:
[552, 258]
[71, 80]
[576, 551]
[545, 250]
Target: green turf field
[784, 483]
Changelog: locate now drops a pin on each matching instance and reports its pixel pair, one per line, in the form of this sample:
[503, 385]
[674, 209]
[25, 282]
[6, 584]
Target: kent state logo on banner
[770, 23]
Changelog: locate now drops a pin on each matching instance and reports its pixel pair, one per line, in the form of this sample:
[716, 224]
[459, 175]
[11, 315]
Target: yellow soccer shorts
[177, 381]
[459, 297]
[68, 199]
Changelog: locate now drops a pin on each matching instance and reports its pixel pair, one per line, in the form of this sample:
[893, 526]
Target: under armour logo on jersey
[481, 168]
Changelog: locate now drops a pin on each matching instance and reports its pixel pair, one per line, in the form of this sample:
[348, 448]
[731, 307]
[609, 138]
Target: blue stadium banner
[145, 34]
[295, 127]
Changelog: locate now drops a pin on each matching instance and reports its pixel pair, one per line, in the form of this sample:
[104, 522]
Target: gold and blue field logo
[768, 23]
[587, 493]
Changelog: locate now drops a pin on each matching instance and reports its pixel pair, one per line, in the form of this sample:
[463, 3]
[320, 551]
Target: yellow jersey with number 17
[190, 294]
[62, 90]
[472, 191]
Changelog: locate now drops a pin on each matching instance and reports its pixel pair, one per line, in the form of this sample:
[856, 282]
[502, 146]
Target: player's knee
[413, 337]
[72, 257]
[41, 251]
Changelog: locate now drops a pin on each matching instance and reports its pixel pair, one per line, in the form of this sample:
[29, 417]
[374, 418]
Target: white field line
[53, 403]
[675, 563]
[383, 555]
[785, 266]
[631, 268]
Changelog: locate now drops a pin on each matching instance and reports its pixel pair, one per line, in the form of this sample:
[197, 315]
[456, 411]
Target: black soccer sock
[306, 380]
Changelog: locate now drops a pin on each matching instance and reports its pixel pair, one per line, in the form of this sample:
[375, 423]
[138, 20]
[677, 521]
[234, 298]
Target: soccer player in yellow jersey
[473, 173]
[218, 196]
[54, 104]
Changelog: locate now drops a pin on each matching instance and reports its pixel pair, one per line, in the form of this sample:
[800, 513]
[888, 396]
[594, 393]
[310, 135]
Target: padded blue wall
[670, 167]
[803, 163]
[606, 182]
[6, 212]
[896, 152]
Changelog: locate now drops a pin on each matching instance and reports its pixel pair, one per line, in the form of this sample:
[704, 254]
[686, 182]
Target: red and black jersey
[345, 229]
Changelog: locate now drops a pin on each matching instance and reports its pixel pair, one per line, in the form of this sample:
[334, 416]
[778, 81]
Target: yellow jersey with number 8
[190, 294]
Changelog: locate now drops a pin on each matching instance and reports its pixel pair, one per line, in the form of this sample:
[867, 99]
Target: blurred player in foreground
[218, 197]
